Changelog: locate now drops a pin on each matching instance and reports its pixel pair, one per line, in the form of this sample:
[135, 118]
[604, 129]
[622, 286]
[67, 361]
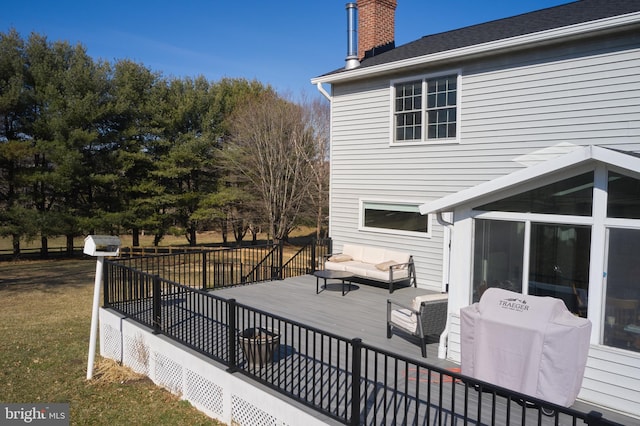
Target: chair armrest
[390, 304]
[397, 266]
[400, 265]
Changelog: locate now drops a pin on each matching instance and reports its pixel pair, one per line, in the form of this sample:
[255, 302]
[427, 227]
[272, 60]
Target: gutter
[442, 345]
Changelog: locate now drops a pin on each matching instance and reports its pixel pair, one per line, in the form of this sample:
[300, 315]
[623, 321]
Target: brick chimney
[376, 27]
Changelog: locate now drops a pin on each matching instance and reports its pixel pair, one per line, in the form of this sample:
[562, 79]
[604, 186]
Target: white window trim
[391, 203]
[423, 139]
[534, 217]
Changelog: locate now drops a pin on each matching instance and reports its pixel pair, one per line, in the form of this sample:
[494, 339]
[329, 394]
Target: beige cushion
[417, 301]
[340, 258]
[377, 274]
[398, 256]
[404, 318]
[353, 250]
[374, 255]
[384, 266]
[335, 266]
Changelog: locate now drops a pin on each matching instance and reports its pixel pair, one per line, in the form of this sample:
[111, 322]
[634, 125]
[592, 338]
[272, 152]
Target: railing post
[356, 372]
[314, 243]
[280, 258]
[594, 418]
[232, 327]
[204, 270]
[157, 305]
[106, 276]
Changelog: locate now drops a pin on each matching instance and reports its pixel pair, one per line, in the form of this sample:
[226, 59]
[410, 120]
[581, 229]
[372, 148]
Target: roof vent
[352, 36]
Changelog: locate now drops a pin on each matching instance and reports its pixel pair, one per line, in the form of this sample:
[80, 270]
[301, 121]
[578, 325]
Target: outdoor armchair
[426, 317]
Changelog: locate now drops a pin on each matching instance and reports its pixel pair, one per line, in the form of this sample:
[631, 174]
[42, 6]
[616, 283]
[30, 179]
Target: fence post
[314, 243]
[157, 305]
[106, 276]
[204, 270]
[356, 372]
[594, 418]
[280, 258]
[232, 327]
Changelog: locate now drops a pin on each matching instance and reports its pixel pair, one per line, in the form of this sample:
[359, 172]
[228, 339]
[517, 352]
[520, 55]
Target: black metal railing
[307, 259]
[223, 267]
[347, 380]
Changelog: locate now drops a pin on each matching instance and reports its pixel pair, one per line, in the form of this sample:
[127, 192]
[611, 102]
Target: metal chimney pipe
[352, 36]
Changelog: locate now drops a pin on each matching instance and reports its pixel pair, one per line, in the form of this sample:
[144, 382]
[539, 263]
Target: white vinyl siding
[612, 379]
[588, 100]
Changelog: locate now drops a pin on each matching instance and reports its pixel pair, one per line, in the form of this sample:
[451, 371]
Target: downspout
[322, 90]
[442, 346]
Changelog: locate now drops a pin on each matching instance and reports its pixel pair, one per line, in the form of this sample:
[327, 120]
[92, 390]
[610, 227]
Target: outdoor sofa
[374, 263]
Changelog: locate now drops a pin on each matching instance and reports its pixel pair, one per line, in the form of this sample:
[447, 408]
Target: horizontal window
[400, 217]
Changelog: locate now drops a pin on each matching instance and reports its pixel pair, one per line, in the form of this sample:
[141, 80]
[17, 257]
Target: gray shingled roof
[555, 17]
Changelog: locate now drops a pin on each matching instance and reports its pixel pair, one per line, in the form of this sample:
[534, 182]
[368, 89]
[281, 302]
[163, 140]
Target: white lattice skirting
[229, 398]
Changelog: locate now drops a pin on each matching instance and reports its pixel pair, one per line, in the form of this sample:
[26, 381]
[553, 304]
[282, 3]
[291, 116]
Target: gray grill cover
[529, 344]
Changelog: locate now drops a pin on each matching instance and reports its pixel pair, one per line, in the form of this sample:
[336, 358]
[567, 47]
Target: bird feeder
[98, 246]
[101, 245]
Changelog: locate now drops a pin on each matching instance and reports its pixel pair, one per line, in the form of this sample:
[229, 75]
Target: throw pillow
[384, 266]
[340, 258]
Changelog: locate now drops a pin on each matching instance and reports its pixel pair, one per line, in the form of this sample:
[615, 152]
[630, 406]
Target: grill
[529, 344]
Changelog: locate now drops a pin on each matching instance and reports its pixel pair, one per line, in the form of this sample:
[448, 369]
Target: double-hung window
[426, 109]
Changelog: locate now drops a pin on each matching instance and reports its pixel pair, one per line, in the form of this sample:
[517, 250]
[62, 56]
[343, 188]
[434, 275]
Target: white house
[503, 154]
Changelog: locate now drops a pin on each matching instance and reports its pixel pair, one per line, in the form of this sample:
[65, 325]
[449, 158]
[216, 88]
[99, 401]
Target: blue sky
[283, 42]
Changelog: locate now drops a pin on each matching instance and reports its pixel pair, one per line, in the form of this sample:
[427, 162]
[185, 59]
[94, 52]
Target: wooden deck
[360, 313]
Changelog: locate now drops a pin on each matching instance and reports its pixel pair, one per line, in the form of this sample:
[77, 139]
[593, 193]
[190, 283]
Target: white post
[94, 317]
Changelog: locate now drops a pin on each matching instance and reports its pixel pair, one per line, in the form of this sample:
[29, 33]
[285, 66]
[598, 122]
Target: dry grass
[45, 315]
[208, 237]
[108, 371]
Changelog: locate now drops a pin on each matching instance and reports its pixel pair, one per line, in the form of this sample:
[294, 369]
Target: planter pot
[259, 345]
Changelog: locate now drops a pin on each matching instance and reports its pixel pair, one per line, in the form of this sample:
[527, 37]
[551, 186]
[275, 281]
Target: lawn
[45, 315]
[146, 240]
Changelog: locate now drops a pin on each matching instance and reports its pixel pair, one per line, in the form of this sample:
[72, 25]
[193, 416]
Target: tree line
[90, 146]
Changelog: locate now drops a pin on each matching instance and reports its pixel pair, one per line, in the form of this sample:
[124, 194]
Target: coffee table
[332, 275]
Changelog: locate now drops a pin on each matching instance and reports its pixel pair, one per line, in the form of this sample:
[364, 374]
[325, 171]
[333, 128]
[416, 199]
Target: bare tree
[317, 115]
[271, 144]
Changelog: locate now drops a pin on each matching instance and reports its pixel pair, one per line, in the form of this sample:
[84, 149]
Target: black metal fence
[347, 380]
[224, 267]
[37, 253]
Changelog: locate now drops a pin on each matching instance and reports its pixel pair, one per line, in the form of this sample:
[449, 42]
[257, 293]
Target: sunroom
[567, 228]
